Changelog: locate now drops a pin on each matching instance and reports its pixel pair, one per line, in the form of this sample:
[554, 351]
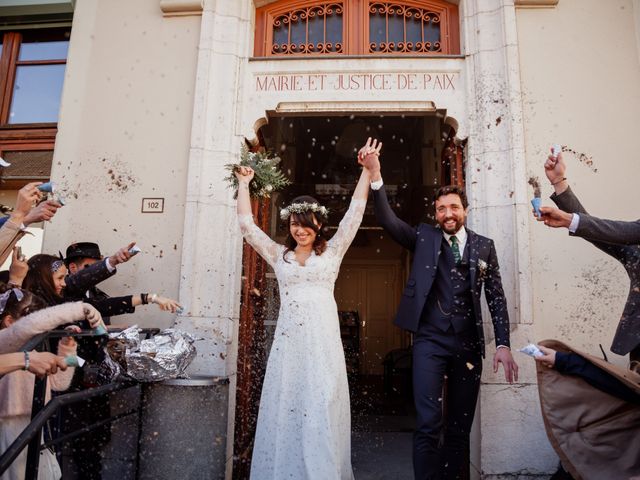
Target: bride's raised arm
[351, 221]
[260, 241]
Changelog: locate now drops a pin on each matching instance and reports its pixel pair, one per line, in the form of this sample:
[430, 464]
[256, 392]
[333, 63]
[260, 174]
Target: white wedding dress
[304, 422]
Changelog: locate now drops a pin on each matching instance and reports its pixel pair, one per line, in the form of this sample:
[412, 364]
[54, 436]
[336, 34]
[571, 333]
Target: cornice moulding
[535, 3]
[174, 8]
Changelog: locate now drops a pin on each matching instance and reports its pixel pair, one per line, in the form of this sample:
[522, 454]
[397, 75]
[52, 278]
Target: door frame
[251, 355]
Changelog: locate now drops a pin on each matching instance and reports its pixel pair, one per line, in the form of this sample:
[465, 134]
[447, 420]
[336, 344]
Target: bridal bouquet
[267, 179]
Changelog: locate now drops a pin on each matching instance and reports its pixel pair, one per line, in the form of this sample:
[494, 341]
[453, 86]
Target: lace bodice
[318, 270]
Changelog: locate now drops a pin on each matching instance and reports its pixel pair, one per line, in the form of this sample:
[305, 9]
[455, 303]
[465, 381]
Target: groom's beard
[459, 222]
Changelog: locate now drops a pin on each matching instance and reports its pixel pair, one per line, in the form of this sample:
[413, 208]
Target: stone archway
[486, 87]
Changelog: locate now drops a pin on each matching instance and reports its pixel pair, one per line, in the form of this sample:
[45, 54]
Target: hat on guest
[83, 250]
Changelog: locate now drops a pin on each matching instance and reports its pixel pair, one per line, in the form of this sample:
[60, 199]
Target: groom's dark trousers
[436, 355]
[441, 306]
[445, 345]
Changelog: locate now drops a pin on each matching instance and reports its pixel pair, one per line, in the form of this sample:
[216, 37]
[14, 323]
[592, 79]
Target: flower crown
[303, 207]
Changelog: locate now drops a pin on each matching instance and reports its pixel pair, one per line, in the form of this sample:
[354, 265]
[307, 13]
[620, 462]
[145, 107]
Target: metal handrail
[41, 338]
[38, 421]
[41, 413]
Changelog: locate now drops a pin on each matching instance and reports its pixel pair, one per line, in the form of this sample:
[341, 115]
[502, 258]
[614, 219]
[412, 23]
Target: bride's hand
[244, 174]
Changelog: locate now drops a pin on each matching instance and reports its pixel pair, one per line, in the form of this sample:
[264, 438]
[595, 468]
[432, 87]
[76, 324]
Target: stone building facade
[160, 94]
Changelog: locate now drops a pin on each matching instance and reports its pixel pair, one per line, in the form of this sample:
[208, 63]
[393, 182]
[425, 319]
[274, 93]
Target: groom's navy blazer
[425, 242]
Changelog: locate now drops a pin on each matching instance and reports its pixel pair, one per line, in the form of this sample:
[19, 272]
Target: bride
[304, 421]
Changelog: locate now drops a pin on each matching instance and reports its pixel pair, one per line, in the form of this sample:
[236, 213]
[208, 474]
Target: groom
[440, 305]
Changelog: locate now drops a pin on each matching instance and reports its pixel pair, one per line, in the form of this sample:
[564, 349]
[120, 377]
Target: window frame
[355, 29]
[21, 136]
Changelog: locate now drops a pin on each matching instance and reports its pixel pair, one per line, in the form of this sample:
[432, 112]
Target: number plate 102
[152, 205]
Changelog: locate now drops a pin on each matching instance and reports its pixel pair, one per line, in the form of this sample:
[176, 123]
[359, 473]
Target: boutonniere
[482, 267]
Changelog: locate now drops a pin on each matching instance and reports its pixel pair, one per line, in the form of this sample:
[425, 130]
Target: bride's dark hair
[306, 220]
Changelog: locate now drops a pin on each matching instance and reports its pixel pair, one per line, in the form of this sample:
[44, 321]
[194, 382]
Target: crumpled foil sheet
[162, 357]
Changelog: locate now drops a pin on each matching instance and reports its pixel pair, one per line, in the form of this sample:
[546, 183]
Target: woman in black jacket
[46, 278]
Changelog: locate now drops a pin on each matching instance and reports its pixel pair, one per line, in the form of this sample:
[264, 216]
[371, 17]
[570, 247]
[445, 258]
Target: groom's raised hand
[503, 355]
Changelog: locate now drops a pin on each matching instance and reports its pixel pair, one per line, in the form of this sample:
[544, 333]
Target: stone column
[508, 415]
[211, 255]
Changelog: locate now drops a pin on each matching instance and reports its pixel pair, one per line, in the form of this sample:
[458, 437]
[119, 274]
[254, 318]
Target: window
[397, 28]
[357, 27]
[314, 29]
[32, 65]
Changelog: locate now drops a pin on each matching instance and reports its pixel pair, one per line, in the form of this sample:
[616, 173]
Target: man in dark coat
[87, 268]
[440, 305]
[619, 239]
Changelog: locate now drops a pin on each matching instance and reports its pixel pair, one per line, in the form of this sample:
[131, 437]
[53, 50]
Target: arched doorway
[319, 155]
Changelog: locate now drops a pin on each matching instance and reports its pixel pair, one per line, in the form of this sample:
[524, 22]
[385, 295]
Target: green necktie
[455, 249]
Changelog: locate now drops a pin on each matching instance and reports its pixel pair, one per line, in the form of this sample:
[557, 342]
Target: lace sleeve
[260, 241]
[348, 226]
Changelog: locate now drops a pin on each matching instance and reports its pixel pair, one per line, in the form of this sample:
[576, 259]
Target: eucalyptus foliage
[268, 177]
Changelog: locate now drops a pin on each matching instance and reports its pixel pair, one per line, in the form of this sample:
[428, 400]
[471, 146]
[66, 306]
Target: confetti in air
[582, 157]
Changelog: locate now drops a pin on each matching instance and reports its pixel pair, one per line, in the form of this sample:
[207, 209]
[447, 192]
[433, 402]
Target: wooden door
[373, 290]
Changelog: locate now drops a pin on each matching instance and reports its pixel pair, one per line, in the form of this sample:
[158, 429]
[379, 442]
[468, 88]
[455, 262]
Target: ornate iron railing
[398, 28]
[290, 28]
[316, 29]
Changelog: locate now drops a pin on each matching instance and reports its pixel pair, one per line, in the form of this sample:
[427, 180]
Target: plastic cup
[535, 203]
[180, 310]
[556, 150]
[532, 350]
[99, 330]
[134, 250]
[48, 187]
[74, 361]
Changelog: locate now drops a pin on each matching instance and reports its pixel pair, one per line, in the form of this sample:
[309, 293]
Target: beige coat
[14, 337]
[596, 435]
[10, 233]
[16, 388]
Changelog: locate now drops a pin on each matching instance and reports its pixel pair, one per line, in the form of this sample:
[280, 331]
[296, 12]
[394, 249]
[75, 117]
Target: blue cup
[99, 330]
[48, 187]
[536, 205]
[71, 361]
